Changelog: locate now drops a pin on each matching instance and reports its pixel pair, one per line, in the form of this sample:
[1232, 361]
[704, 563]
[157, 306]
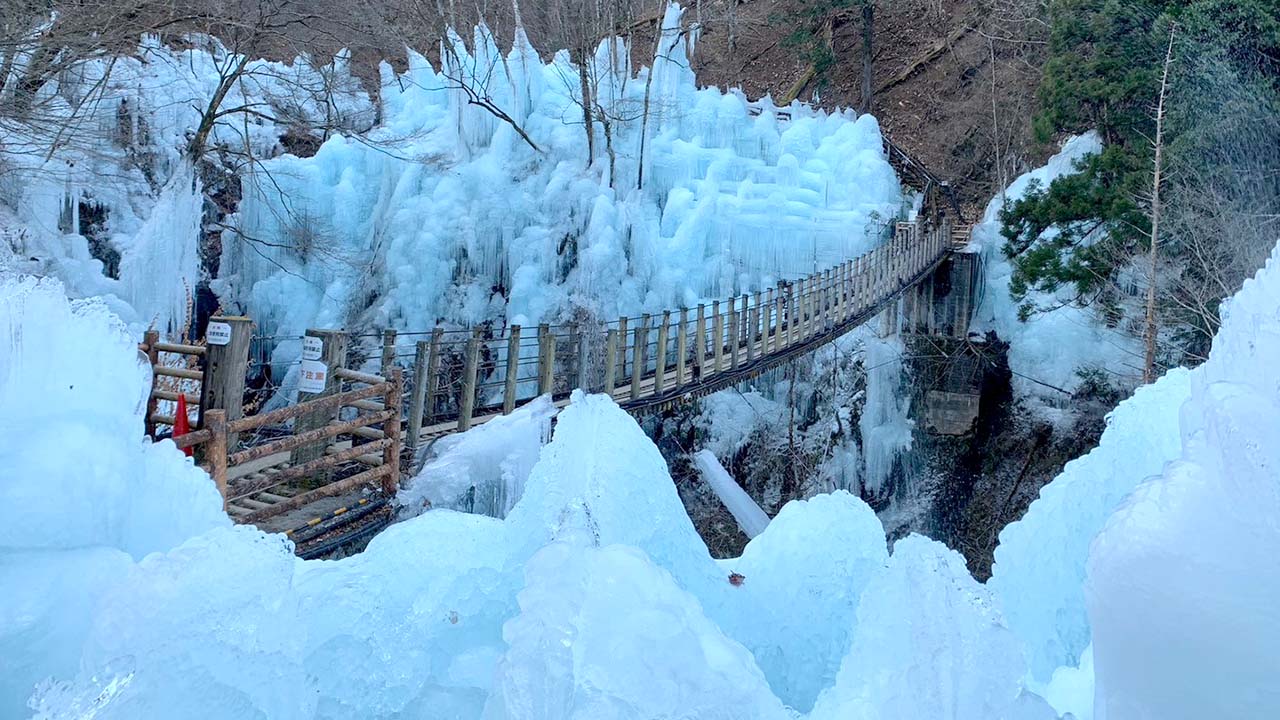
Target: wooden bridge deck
[301, 467]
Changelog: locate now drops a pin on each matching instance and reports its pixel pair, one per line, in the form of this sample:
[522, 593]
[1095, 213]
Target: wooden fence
[280, 482]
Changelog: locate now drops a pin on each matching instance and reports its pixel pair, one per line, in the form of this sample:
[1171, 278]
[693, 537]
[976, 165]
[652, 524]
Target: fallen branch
[933, 53]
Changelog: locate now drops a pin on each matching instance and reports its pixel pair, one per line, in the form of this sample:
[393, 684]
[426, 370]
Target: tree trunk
[644, 116]
[196, 147]
[1148, 367]
[868, 32]
[586, 105]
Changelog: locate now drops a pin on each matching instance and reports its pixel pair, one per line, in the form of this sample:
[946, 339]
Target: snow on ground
[1053, 345]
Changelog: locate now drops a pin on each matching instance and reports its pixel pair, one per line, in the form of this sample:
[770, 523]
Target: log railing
[464, 377]
[371, 458]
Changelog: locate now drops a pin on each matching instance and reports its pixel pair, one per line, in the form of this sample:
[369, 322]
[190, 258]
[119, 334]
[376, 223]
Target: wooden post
[391, 429]
[766, 324]
[733, 334]
[433, 374]
[787, 331]
[638, 361]
[622, 346]
[421, 361]
[470, 370]
[610, 361]
[333, 353]
[753, 327]
[700, 330]
[388, 351]
[513, 371]
[682, 346]
[578, 377]
[828, 298]
[805, 309]
[844, 290]
[215, 451]
[546, 360]
[150, 338]
[717, 339]
[225, 369]
[660, 361]
[797, 326]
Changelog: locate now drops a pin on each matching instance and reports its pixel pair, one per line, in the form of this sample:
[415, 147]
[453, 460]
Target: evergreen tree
[1103, 75]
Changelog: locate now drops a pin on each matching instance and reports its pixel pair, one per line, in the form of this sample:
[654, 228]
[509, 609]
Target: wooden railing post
[660, 361]
[766, 326]
[433, 375]
[470, 372]
[787, 332]
[391, 429]
[700, 344]
[733, 334]
[846, 287]
[388, 351]
[226, 366]
[622, 347]
[806, 309]
[682, 345]
[578, 346]
[753, 328]
[828, 298]
[638, 359]
[149, 339]
[421, 361]
[215, 451]
[333, 354]
[546, 360]
[512, 381]
[717, 340]
[610, 361]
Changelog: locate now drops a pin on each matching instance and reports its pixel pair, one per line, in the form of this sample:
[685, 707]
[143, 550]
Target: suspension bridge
[335, 458]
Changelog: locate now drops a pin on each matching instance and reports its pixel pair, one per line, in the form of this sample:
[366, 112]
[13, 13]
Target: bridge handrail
[647, 363]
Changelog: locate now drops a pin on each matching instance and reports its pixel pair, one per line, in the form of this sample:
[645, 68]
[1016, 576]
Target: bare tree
[1149, 335]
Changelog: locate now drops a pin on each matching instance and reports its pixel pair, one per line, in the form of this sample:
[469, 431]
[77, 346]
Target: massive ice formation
[444, 214]
[1183, 580]
[929, 643]
[803, 578]
[1039, 566]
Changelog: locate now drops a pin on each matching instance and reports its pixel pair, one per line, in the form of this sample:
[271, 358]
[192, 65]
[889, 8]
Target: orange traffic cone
[181, 426]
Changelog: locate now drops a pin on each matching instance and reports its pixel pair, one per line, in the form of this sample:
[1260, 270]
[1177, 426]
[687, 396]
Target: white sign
[313, 377]
[218, 333]
[311, 348]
